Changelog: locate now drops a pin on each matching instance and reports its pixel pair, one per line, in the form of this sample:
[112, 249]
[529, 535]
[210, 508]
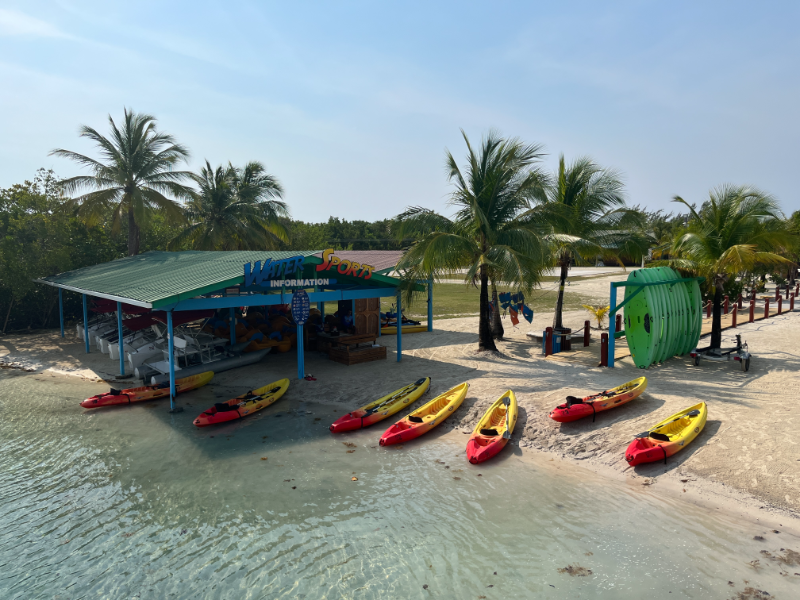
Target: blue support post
[430, 304]
[171, 347]
[399, 329]
[61, 310]
[85, 323]
[232, 326]
[612, 318]
[301, 359]
[119, 333]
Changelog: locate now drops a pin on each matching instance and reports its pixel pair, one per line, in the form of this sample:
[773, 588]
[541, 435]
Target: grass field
[451, 300]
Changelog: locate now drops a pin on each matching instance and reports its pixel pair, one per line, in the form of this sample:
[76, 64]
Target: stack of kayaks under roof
[662, 320]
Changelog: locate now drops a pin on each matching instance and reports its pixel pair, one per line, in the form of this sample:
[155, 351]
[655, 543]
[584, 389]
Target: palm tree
[135, 171]
[582, 216]
[485, 237]
[235, 209]
[732, 233]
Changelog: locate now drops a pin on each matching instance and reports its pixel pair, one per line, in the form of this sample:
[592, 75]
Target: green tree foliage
[582, 216]
[341, 234]
[38, 237]
[485, 237]
[234, 209]
[736, 230]
[135, 171]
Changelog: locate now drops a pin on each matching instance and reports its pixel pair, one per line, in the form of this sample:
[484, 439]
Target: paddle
[403, 392]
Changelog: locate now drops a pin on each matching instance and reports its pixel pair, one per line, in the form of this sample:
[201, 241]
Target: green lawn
[456, 300]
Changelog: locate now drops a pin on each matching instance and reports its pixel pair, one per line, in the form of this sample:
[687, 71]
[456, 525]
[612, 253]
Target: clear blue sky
[352, 104]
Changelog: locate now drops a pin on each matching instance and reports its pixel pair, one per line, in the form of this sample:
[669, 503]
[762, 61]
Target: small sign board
[301, 305]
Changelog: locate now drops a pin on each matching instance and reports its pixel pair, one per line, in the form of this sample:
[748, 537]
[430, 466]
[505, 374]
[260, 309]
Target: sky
[352, 105]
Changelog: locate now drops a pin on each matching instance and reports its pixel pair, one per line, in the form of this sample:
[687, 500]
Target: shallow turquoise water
[133, 502]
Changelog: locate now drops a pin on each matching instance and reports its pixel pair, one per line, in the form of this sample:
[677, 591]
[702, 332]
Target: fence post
[752, 310]
[586, 333]
[791, 303]
[727, 304]
[708, 310]
[780, 304]
[739, 301]
[734, 314]
[548, 344]
[619, 322]
[777, 292]
[766, 308]
[604, 350]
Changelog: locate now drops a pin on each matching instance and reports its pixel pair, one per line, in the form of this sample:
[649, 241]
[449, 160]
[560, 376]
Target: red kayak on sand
[147, 392]
[241, 406]
[493, 430]
[426, 417]
[382, 407]
[578, 408]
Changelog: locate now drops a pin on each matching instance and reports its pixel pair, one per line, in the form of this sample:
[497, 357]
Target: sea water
[135, 502]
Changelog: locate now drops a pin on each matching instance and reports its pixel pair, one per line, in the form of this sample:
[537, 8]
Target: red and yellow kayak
[577, 408]
[243, 405]
[494, 429]
[667, 437]
[426, 417]
[382, 407]
[147, 392]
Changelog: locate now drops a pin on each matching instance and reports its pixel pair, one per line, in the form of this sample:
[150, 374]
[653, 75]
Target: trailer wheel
[746, 364]
[697, 361]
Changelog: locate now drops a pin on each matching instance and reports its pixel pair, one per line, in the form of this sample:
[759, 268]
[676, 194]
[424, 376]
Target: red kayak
[426, 417]
[241, 406]
[381, 408]
[493, 430]
[146, 392]
[578, 408]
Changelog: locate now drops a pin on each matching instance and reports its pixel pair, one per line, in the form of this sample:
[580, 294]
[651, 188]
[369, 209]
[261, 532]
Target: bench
[348, 350]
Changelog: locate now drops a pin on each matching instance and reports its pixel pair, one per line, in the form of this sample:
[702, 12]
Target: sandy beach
[746, 459]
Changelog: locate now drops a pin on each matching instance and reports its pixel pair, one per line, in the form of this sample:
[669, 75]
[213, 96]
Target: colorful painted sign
[344, 266]
[272, 269]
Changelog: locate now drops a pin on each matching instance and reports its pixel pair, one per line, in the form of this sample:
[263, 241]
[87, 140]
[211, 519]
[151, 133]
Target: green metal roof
[157, 279]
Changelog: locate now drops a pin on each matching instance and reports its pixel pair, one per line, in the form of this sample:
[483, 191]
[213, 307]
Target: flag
[514, 317]
[505, 299]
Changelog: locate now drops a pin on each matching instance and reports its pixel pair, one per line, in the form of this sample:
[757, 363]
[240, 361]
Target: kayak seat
[659, 436]
[573, 400]
[113, 392]
[222, 407]
[489, 432]
[415, 419]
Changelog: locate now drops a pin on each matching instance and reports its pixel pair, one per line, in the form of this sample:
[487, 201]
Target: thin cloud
[13, 23]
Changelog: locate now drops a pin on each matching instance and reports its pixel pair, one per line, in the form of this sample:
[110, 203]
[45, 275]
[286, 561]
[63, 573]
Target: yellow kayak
[667, 437]
[243, 405]
[426, 417]
[392, 329]
[382, 407]
[494, 429]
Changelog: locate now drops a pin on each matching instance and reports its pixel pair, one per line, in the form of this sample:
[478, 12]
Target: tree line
[511, 223]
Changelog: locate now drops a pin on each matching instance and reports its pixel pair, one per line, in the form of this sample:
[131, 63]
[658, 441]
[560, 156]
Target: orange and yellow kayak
[426, 417]
[667, 437]
[147, 392]
[243, 405]
[382, 407]
[494, 429]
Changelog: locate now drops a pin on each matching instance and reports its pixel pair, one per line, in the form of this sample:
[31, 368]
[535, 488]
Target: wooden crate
[354, 356]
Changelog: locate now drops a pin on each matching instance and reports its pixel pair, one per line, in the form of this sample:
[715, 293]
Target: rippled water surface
[133, 502]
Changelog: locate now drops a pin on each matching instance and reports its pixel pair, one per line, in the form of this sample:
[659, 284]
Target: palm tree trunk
[497, 324]
[133, 234]
[716, 319]
[485, 339]
[557, 321]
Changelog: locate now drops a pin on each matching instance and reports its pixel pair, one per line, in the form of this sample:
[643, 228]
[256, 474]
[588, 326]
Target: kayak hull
[244, 405]
[590, 405]
[425, 418]
[147, 392]
[382, 408]
[493, 431]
